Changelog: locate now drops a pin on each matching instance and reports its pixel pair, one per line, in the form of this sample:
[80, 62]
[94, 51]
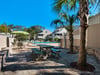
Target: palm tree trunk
[83, 20]
[71, 38]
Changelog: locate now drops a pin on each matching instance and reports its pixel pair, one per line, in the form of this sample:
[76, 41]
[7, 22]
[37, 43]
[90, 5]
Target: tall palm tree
[83, 16]
[70, 20]
[83, 13]
[68, 24]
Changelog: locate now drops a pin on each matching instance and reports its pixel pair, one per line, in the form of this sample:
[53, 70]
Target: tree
[18, 28]
[68, 24]
[57, 23]
[83, 16]
[21, 37]
[10, 27]
[3, 28]
[34, 30]
[70, 20]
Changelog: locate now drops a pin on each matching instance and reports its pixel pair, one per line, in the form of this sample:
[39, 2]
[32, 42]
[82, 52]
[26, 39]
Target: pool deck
[23, 64]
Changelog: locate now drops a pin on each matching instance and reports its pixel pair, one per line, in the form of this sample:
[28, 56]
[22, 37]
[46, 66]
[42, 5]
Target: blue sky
[27, 12]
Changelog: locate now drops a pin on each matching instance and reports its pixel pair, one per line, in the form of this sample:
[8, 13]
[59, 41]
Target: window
[45, 31]
[40, 34]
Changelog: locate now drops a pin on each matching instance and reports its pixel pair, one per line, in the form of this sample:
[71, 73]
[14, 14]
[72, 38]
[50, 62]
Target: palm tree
[83, 16]
[83, 13]
[57, 23]
[69, 20]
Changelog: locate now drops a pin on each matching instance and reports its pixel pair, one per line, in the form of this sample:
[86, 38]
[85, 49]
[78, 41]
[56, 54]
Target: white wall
[3, 42]
[45, 33]
[62, 31]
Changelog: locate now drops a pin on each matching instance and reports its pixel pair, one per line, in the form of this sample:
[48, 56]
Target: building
[43, 34]
[59, 33]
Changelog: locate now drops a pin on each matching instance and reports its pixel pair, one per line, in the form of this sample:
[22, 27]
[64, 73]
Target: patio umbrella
[20, 32]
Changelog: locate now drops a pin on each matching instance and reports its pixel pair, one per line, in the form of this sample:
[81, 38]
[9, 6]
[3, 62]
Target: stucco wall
[93, 36]
[67, 43]
[11, 40]
[76, 36]
[3, 42]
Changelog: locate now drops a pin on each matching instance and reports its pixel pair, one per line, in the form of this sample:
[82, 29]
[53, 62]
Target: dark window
[40, 34]
[59, 34]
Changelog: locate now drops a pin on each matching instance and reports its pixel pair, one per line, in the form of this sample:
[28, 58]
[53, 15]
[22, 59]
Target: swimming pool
[47, 43]
[43, 42]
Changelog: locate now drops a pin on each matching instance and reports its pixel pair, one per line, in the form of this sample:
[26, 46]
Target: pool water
[44, 42]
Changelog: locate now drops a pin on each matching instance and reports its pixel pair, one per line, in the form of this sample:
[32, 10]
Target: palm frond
[69, 19]
[64, 15]
[57, 5]
[92, 1]
[56, 22]
[72, 4]
[67, 28]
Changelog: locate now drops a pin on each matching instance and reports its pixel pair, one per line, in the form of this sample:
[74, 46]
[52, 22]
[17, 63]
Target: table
[45, 46]
[37, 53]
[47, 49]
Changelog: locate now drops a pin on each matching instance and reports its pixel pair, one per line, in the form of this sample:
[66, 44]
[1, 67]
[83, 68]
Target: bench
[36, 51]
[55, 52]
[6, 52]
[2, 60]
[3, 55]
[37, 54]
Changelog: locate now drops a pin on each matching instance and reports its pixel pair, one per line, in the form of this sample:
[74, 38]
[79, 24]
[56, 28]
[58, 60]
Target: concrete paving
[23, 64]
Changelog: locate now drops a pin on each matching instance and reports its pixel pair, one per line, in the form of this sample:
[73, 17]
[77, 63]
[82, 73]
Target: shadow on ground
[58, 73]
[22, 62]
[15, 67]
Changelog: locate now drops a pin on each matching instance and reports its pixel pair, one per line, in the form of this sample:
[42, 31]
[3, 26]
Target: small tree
[3, 28]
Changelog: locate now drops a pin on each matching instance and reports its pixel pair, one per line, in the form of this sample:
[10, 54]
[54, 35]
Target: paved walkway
[23, 64]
